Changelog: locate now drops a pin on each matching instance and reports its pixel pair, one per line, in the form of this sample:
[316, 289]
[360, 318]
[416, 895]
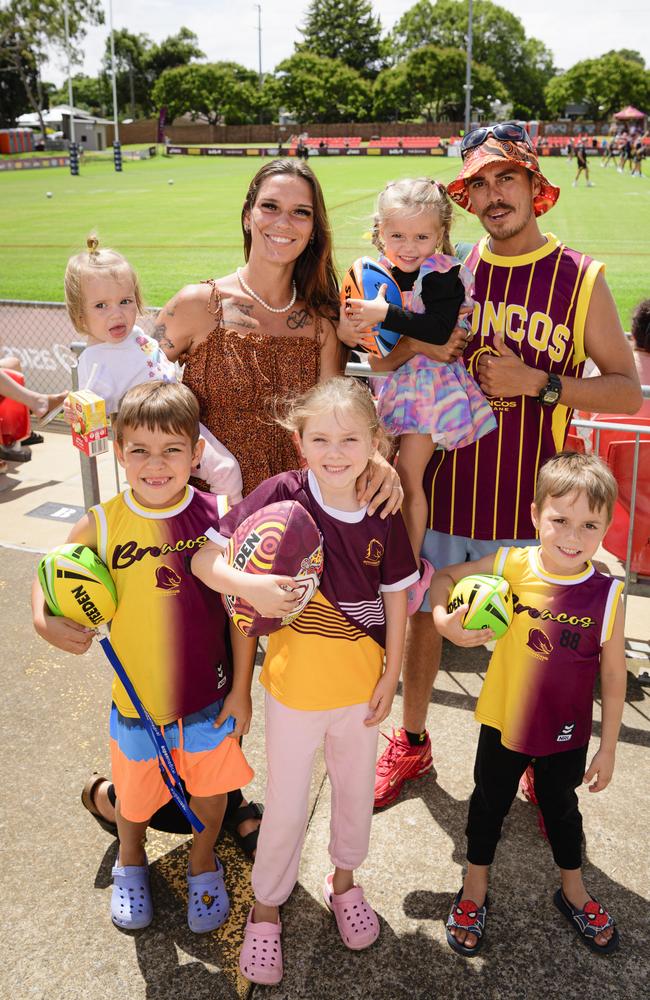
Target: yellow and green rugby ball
[489, 601]
[77, 585]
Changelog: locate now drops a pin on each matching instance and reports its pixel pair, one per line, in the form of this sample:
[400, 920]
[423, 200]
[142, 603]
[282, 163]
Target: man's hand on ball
[367, 312]
[451, 627]
[272, 596]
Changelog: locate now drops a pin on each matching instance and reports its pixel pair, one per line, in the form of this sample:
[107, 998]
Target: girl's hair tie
[92, 243]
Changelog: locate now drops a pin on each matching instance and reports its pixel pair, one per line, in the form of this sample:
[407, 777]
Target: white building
[89, 131]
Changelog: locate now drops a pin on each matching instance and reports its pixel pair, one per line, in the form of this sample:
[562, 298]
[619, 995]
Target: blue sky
[573, 30]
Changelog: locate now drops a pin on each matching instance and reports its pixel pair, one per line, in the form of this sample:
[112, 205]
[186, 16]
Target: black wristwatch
[550, 394]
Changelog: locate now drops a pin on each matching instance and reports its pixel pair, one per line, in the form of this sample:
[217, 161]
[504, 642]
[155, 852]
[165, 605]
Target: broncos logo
[167, 579]
[539, 642]
[374, 553]
[312, 563]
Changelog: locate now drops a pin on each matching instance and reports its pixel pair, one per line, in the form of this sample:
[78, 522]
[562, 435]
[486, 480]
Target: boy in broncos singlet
[536, 701]
[169, 633]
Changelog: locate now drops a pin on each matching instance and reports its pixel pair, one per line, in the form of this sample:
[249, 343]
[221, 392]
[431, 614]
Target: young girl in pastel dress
[103, 299]
[324, 673]
[426, 402]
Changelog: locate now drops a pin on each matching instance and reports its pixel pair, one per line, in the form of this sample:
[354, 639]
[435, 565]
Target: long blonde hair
[410, 196]
[336, 395]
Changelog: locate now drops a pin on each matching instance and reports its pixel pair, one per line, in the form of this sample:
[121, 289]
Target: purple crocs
[131, 906]
[208, 905]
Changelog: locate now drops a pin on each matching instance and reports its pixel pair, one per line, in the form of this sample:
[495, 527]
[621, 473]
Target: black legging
[497, 771]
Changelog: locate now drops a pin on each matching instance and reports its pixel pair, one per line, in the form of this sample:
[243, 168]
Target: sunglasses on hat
[505, 131]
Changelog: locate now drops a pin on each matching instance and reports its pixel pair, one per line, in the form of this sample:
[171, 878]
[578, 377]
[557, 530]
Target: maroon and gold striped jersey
[539, 301]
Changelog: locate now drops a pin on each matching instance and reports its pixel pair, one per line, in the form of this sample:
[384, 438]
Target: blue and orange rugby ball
[362, 280]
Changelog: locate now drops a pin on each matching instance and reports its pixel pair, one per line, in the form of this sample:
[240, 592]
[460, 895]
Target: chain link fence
[39, 334]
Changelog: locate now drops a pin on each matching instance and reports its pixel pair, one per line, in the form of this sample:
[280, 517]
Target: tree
[91, 93]
[177, 50]
[29, 28]
[131, 82]
[606, 85]
[139, 62]
[346, 30]
[630, 54]
[215, 92]
[317, 89]
[393, 99]
[436, 77]
[13, 96]
[499, 40]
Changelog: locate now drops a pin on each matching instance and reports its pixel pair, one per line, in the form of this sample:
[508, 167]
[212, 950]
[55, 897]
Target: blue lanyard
[165, 762]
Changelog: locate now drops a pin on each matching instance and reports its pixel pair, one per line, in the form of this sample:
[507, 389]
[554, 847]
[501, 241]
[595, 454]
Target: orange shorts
[209, 765]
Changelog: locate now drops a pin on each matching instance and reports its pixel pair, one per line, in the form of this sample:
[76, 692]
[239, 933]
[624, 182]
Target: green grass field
[174, 234]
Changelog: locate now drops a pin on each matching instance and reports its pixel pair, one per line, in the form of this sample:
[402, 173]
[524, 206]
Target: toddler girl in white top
[103, 298]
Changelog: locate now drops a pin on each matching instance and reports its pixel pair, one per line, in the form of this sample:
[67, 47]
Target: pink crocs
[356, 920]
[418, 590]
[260, 959]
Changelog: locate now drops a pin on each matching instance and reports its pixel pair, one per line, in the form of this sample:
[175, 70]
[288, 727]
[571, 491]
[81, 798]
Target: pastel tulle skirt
[443, 400]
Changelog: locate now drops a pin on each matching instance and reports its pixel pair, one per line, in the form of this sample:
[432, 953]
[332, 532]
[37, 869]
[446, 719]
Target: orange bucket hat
[491, 151]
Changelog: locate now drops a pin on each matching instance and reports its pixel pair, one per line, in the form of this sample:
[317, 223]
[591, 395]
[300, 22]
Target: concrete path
[57, 936]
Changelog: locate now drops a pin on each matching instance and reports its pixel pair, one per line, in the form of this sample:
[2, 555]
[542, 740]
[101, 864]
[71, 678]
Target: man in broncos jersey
[541, 311]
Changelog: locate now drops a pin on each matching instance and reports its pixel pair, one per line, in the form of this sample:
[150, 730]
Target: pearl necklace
[258, 298]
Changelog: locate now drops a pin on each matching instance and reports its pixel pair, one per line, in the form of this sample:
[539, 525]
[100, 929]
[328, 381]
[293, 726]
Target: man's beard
[510, 228]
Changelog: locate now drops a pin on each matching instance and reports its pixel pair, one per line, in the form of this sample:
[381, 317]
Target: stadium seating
[336, 142]
[620, 458]
[608, 437]
[407, 141]
[574, 442]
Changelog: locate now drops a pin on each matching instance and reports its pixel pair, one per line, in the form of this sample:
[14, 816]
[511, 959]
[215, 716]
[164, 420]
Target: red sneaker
[527, 786]
[400, 762]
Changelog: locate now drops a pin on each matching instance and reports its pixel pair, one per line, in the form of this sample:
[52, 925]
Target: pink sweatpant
[292, 738]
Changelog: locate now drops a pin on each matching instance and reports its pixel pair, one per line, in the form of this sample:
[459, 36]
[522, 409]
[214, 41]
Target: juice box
[90, 427]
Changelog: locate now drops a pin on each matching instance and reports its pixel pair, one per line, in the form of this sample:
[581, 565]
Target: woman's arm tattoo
[159, 332]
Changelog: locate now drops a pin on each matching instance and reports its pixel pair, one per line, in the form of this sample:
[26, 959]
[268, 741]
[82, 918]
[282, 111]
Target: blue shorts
[447, 550]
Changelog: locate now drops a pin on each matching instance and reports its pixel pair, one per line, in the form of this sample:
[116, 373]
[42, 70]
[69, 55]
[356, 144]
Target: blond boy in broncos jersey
[536, 701]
